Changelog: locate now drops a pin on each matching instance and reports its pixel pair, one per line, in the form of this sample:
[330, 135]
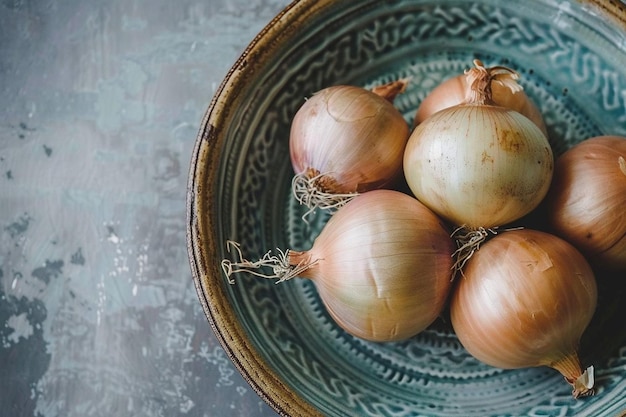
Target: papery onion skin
[453, 91]
[351, 136]
[525, 300]
[586, 204]
[478, 165]
[384, 266]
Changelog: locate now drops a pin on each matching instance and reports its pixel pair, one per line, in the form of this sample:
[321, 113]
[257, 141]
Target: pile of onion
[381, 265]
[478, 159]
[346, 140]
[586, 204]
[476, 164]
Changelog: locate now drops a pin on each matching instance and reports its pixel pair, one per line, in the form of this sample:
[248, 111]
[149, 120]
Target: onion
[525, 300]
[478, 165]
[587, 201]
[346, 140]
[381, 265]
[454, 91]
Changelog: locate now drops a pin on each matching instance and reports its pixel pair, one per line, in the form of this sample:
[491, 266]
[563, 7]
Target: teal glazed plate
[571, 56]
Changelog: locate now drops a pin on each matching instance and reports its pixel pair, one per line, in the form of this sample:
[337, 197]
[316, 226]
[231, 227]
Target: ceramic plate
[571, 56]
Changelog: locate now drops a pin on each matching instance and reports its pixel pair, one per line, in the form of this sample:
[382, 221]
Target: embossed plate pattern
[573, 65]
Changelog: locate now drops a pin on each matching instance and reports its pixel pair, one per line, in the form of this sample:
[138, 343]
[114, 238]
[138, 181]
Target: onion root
[310, 189]
[282, 269]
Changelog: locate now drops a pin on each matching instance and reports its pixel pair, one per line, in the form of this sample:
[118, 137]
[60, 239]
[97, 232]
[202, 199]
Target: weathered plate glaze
[572, 59]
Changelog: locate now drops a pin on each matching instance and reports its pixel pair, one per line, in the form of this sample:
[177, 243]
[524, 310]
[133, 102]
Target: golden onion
[586, 204]
[524, 300]
[382, 266]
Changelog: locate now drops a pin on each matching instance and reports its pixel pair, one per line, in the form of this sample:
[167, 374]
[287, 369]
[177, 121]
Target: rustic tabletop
[100, 105]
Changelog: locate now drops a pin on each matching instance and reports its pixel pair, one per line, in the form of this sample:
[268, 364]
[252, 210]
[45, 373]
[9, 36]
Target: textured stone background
[100, 103]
